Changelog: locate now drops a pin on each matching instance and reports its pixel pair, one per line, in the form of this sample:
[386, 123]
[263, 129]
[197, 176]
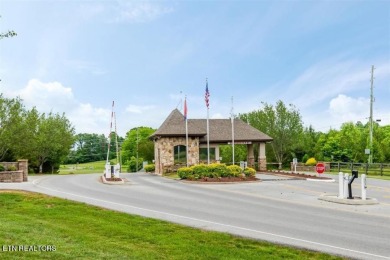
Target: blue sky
[78, 56]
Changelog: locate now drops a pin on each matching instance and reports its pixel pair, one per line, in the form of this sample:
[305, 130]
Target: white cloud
[46, 97]
[54, 97]
[347, 109]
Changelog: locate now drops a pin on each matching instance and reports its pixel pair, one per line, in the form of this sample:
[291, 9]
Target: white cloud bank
[347, 109]
[54, 97]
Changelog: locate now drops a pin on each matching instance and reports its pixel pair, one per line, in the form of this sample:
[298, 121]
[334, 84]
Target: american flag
[207, 95]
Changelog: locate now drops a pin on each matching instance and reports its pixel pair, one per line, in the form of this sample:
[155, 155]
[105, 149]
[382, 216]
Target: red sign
[320, 168]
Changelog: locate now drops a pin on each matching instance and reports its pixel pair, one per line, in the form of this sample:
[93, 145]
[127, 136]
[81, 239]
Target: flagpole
[207, 95]
[208, 138]
[232, 116]
[185, 117]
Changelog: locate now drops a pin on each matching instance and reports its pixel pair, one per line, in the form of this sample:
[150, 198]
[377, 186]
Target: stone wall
[15, 176]
[164, 152]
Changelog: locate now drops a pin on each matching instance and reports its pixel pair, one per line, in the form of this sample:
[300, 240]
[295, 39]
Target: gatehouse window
[180, 154]
[203, 154]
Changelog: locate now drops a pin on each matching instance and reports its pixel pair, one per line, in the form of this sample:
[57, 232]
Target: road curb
[320, 180]
[355, 201]
[112, 182]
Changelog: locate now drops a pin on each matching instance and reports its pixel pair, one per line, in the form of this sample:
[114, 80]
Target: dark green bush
[133, 164]
[150, 168]
[185, 172]
[2, 168]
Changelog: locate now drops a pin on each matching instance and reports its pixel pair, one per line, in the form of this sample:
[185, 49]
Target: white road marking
[215, 223]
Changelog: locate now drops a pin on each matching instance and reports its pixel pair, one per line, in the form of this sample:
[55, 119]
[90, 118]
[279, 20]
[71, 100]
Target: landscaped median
[37, 226]
[216, 172]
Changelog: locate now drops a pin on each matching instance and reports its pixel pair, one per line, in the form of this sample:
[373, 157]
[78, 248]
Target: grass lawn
[92, 167]
[80, 231]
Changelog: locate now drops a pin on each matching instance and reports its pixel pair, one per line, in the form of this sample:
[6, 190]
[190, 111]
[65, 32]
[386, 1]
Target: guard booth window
[180, 154]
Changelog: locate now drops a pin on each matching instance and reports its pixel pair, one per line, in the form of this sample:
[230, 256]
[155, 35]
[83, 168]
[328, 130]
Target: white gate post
[346, 179]
[364, 187]
[108, 170]
[341, 185]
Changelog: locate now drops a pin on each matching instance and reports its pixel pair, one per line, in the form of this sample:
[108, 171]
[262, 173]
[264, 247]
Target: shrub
[249, 172]
[218, 170]
[12, 168]
[2, 168]
[201, 170]
[235, 170]
[133, 164]
[305, 158]
[150, 168]
[185, 172]
[311, 162]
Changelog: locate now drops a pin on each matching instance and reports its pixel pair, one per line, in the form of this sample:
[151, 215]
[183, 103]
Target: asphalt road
[276, 209]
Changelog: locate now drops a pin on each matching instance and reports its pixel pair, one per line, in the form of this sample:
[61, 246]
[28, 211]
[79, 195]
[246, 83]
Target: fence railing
[382, 169]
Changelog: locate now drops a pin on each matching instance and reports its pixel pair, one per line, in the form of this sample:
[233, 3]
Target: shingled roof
[220, 129]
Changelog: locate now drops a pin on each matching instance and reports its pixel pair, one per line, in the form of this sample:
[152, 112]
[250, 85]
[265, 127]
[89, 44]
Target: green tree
[283, 124]
[352, 142]
[305, 146]
[381, 143]
[137, 141]
[226, 152]
[11, 112]
[29, 125]
[88, 148]
[53, 140]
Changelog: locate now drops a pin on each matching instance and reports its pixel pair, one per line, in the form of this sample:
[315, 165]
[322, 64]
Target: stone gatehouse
[170, 141]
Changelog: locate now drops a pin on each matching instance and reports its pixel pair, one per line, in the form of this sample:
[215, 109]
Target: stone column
[251, 157]
[262, 160]
[23, 166]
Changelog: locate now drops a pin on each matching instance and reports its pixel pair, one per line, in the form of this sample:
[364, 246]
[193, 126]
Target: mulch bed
[113, 179]
[297, 175]
[224, 179]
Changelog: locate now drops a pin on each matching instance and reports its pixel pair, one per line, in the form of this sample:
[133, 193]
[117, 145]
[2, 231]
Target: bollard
[341, 185]
[108, 170]
[346, 179]
[364, 187]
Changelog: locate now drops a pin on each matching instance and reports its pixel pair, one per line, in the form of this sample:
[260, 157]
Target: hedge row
[149, 168]
[214, 170]
[10, 168]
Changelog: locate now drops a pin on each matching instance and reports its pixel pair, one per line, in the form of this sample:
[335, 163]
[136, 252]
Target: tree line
[293, 140]
[47, 140]
[43, 139]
